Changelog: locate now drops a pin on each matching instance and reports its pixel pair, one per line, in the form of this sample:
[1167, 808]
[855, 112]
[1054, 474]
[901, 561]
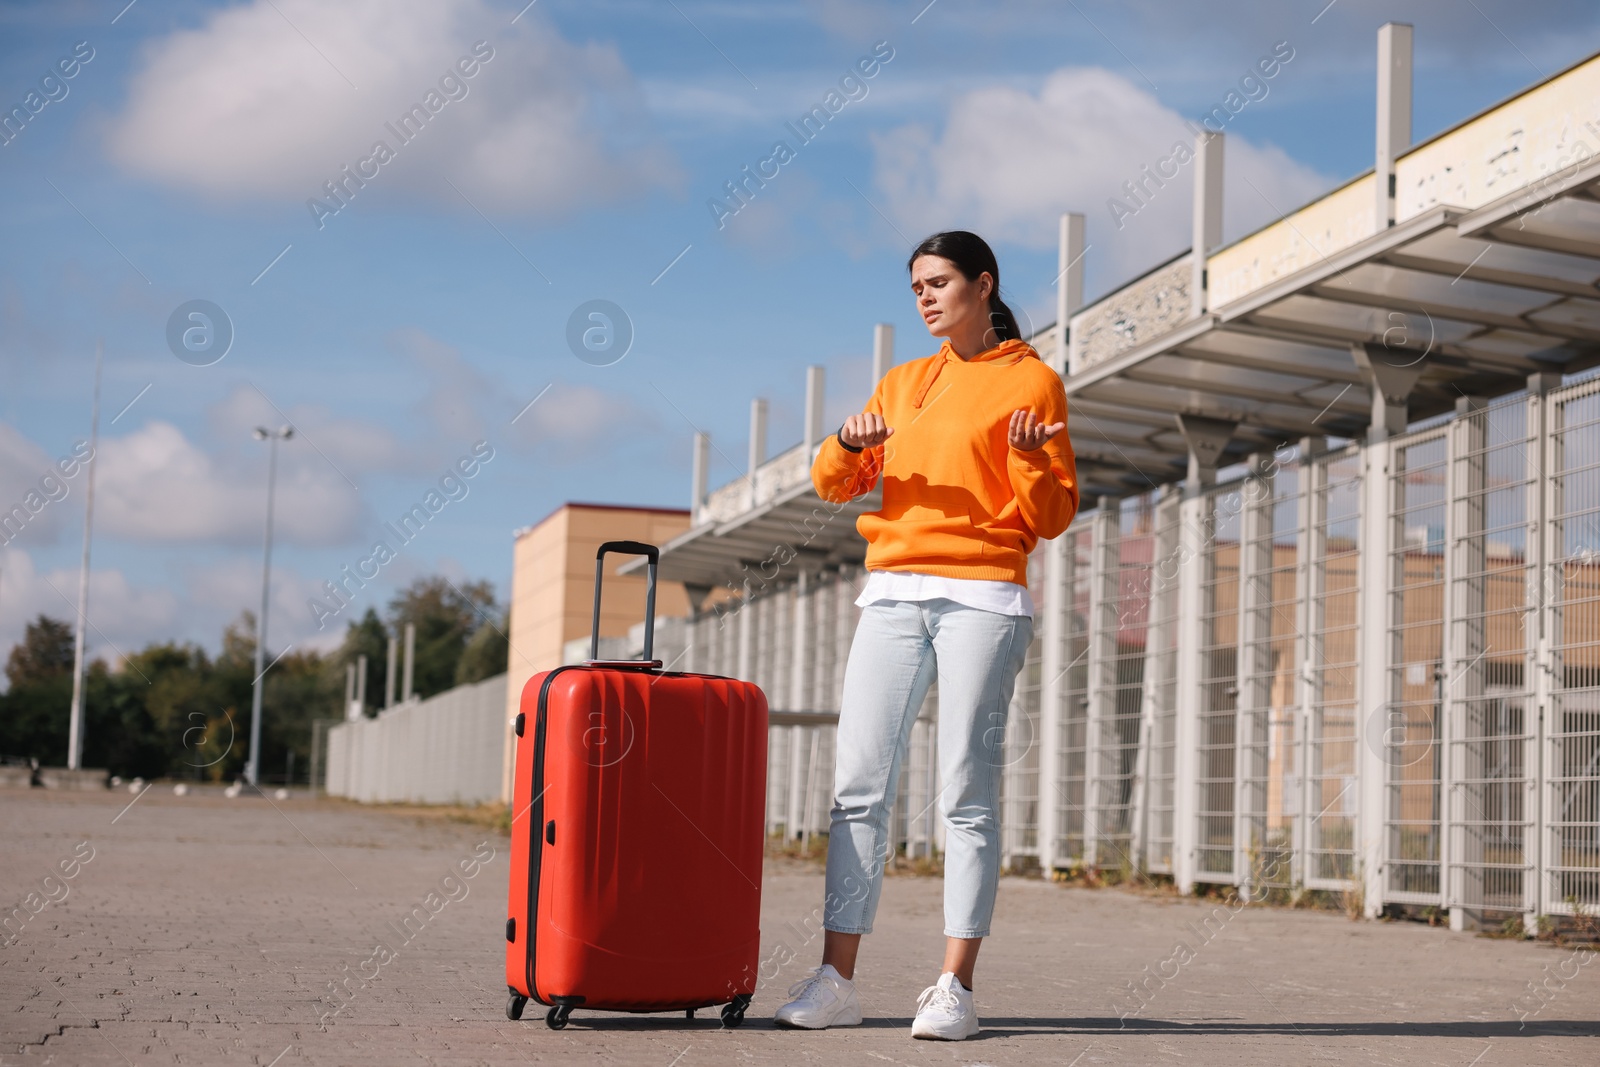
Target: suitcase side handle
[632, 548]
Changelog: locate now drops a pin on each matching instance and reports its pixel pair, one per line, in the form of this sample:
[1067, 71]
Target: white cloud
[31, 481]
[157, 484]
[355, 446]
[124, 617]
[154, 484]
[702, 103]
[462, 404]
[247, 106]
[1008, 162]
[220, 590]
[588, 419]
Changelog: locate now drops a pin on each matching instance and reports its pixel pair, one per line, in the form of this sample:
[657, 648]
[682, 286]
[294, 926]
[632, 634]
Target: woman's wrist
[848, 447]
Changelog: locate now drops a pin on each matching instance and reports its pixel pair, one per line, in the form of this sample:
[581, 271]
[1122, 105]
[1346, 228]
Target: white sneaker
[821, 1000]
[945, 1012]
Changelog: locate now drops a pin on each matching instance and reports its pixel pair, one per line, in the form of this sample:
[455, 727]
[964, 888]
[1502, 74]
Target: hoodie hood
[1003, 354]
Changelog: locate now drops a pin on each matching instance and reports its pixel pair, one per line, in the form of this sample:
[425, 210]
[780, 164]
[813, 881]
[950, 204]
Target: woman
[976, 466]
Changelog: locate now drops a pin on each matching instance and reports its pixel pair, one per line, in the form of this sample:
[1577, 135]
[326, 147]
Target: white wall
[447, 749]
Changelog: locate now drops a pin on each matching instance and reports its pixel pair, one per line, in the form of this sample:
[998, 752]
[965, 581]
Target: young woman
[972, 450]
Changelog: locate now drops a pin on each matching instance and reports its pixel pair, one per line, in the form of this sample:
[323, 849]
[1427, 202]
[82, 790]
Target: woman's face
[950, 304]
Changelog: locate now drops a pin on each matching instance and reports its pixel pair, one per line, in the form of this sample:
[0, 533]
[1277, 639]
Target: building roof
[1488, 275]
[751, 533]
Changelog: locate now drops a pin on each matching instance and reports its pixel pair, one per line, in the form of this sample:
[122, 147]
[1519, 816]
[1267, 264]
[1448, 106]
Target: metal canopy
[754, 545]
[1477, 299]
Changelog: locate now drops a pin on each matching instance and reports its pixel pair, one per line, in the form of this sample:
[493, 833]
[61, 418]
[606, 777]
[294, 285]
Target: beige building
[552, 588]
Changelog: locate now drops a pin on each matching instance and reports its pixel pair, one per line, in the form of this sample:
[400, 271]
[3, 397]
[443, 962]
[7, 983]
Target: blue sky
[578, 163]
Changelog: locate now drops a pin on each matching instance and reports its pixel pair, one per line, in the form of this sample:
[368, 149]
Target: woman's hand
[865, 430]
[1027, 433]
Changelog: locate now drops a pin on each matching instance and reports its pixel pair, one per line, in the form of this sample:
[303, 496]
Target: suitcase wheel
[556, 1017]
[514, 1006]
[688, 1013]
[733, 1014]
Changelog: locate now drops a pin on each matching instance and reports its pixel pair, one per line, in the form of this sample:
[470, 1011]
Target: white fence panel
[447, 749]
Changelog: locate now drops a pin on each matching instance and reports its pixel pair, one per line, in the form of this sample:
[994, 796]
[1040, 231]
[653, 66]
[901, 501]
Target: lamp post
[252, 766]
[75, 716]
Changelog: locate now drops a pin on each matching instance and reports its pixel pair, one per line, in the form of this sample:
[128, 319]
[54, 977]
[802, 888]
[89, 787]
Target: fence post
[1054, 627]
[1377, 612]
[1105, 587]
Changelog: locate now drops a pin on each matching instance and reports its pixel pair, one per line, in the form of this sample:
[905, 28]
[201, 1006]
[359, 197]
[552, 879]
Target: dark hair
[972, 256]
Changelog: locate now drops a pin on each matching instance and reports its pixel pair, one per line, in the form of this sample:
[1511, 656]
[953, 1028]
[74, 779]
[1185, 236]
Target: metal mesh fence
[1335, 634]
[1123, 621]
[1409, 725]
[1020, 784]
[1487, 689]
[1571, 793]
[1477, 731]
[1073, 724]
[1269, 745]
[1162, 690]
[1217, 719]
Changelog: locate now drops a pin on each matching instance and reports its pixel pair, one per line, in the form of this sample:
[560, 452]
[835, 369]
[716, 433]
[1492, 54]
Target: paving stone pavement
[207, 930]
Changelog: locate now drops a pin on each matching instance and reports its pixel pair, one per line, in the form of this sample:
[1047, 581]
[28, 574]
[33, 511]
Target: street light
[252, 766]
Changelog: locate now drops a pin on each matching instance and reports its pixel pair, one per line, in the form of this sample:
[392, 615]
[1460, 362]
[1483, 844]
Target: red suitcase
[637, 831]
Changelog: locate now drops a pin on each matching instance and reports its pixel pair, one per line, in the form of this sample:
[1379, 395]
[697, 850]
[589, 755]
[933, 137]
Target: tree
[119, 732]
[35, 709]
[303, 687]
[33, 719]
[171, 709]
[446, 616]
[486, 653]
[239, 642]
[46, 652]
[195, 711]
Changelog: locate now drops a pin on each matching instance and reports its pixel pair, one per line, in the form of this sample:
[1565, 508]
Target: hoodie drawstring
[1021, 349]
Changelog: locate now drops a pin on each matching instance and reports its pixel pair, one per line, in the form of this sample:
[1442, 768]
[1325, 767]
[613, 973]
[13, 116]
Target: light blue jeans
[899, 647]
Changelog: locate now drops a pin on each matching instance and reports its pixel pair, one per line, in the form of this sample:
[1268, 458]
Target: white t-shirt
[1006, 598]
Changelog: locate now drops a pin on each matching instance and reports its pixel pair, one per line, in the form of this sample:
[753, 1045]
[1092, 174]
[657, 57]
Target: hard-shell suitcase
[638, 823]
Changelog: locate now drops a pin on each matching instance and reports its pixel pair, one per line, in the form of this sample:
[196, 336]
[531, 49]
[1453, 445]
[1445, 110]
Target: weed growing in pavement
[780, 846]
[1354, 894]
[1540, 995]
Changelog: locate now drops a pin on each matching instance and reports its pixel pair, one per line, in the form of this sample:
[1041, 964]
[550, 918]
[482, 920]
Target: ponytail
[1001, 320]
[972, 256]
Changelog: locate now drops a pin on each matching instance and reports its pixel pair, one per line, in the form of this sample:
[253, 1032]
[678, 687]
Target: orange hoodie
[958, 500]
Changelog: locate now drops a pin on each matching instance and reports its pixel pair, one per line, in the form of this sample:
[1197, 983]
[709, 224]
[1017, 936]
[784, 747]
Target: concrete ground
[207, 930]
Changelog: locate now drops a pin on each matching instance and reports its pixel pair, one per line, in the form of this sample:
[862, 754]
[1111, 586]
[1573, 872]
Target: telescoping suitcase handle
[632, 548]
